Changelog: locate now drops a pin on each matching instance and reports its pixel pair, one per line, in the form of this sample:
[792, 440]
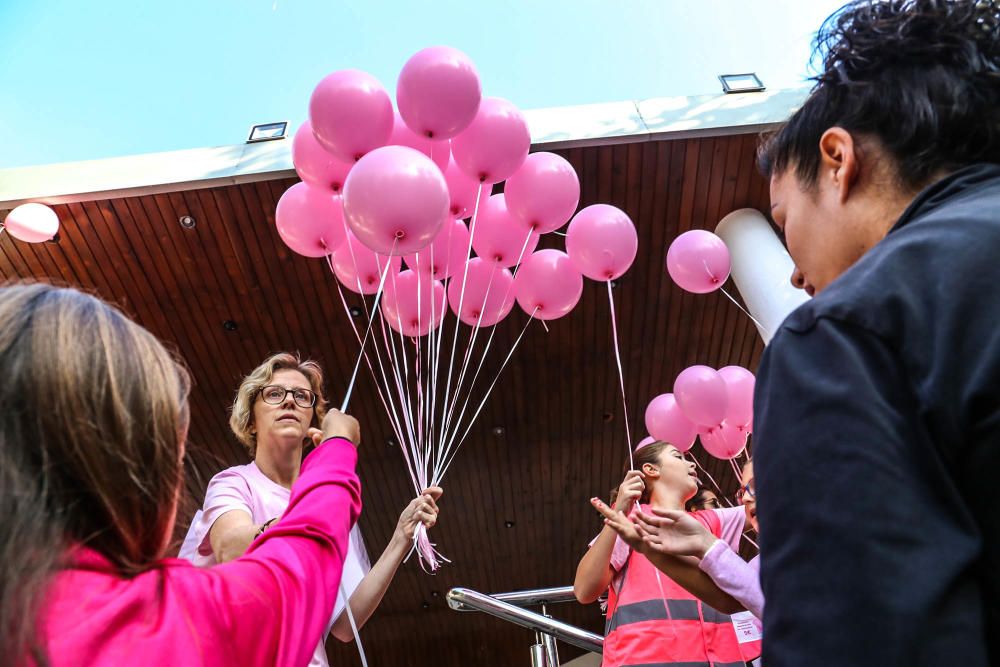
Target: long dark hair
[91, 440]
[919, 77]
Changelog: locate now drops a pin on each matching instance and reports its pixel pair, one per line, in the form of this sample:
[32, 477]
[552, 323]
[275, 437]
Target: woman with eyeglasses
[275, 416]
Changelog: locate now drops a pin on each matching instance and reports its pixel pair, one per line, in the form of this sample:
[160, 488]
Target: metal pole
[551, 651]
[464, 598]
[537, 655]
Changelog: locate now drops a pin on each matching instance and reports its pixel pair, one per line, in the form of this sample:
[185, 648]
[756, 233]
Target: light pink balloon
[32, 223]
[413, 304]
[438, 92]
[495, 144]
[648, 440]
[739, 384]
[499, 236]
[698, 261]
[445, 255]
[701, 394]
[602, 242]
[395, 200]
[665, 421]
[351, 114]
[489, 296]
[547, 285]
[462, 190]
[544, 192]
[314, 164]
[358, 268]
[724, 441]
[310, 220]
[441, 153]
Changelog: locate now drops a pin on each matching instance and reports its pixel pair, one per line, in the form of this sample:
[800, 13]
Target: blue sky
[83, 80]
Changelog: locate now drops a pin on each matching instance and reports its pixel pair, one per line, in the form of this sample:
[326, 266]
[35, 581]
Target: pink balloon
[462, 190]
[32, 223]
[395, 200]
[739, 384]
[648, 440]
[698, 261]
[701, 394]
[413, 304]
[499, 236]
[438, 92]
[544, 192]
[358, 268]
[724, 441]
[665, 421]
[351, 114]
[310, 220]
[495, 144]
[489, 296]
[441, 153]
[602, 242]
[314, 164]
[547, 285]
[445, 255]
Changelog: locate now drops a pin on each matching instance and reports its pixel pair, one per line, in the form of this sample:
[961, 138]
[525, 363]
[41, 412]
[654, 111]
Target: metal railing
[464, 599]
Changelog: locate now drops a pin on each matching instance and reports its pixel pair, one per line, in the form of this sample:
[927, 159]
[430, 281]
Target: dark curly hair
[920, 77]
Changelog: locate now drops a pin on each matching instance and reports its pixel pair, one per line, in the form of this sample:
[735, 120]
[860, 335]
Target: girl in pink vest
[92, 435]
[651, 617]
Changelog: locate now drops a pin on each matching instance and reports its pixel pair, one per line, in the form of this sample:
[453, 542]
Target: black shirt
[877, 434]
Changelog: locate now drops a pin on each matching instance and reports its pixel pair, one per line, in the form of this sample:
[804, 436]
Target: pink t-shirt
[248, 489]
[268, 607]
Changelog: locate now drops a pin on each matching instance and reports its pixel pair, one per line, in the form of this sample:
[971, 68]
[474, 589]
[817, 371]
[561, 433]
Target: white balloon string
[745, 311]
[621, 375]
[486, 397]
[354, 626]
[368, 330]
[461, 301]
[489, 342]
[707, 474]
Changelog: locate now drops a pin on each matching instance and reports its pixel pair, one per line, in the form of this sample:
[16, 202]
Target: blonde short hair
[241, 419]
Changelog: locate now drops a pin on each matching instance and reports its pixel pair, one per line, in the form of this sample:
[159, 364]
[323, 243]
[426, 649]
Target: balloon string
[354, 626]
[745, 311]
[486, 397]
[621, 375]
[368, 330]
[707, 474]
[736, 468]
[461, 303]
[747, 538]
[489, 341]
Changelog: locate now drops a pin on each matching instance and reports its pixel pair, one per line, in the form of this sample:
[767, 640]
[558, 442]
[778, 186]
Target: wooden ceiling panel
[558, 401]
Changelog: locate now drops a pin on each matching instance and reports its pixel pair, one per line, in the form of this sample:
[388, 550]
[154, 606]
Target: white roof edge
[656, 119]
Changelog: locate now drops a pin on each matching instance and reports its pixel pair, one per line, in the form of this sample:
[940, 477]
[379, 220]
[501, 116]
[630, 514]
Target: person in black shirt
[877, 410]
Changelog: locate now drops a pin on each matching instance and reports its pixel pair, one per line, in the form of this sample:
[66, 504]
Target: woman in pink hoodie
[92, 432]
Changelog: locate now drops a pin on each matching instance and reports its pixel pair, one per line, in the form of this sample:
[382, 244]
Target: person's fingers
[426, 518]
[434, 492]
[673, 515]
[604, 510]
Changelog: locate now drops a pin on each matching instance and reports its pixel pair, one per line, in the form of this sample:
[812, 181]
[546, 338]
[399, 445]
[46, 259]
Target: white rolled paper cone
[762, 269]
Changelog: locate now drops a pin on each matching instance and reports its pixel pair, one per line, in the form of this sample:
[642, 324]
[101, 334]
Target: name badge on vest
[747, 626]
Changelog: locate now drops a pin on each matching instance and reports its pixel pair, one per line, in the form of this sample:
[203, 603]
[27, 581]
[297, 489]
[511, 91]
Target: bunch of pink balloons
[379, 184]
[715, 405]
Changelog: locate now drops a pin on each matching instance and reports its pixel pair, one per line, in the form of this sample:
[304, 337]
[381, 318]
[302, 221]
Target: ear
[650, 471]
[839, 165]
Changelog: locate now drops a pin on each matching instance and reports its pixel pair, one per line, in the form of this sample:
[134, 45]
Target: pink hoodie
[268, 607]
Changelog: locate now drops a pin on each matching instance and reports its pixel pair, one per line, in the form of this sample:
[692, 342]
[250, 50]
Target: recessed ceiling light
[187, 222]
[741, 83]
[268, 132]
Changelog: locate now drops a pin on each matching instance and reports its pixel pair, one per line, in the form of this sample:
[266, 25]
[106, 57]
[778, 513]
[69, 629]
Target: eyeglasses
[275, 395]
[748, 489]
